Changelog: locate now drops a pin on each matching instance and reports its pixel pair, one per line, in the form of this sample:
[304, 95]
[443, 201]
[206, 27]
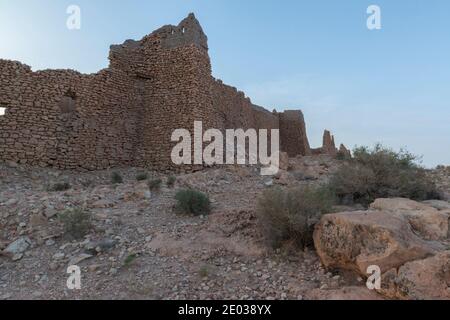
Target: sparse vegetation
[142, 176]
[203, 272]
[192, 202]
[116, 178]
[155, 184]
[59, 186]
[129, 260]
[342, 156]
[381, 173]
[171, 181]
[76, 222]
[289, 216]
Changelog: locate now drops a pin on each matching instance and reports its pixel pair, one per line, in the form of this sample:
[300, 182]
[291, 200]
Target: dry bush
[381, 173]
[192, 202]
[142, 176]
[59, 186]
[76, 222]
[171, 181]
[155, 184]
[290, 215]
[116, 178]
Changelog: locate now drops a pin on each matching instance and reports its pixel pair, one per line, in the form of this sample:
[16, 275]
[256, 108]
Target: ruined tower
[125, 115]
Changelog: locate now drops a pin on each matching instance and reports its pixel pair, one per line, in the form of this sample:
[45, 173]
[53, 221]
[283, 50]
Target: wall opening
[67, 104]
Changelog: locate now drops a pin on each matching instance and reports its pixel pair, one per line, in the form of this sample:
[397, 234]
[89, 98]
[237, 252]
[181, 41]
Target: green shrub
[381, 173]
[60, 186]
[342, 155]
[129, 260]
[155, 184]
[142, 176]
[116, 178]
[192, 202]
[289, 216]
[171, 181]
[76, 222]
[204, 272]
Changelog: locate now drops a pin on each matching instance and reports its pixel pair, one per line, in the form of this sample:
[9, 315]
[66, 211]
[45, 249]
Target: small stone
[17, 257]
[18, 246]
[94, 267]
[11, 202]
[112, 271]
[59, 256]
[76, 260]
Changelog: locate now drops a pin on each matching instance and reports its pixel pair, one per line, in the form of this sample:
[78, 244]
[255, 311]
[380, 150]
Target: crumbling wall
[65, 119]
[294, 140]
[125, 115]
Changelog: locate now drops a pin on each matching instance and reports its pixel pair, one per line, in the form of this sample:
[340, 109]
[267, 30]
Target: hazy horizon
[387, 85]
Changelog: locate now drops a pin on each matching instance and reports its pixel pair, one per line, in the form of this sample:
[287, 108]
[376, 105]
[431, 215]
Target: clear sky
[390, 85]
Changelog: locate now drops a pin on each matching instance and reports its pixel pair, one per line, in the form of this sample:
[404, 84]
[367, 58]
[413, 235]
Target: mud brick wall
[125, 115]
[65, 119]
[293, 136]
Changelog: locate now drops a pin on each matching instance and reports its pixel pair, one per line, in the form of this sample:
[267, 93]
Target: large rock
[421, 279]
[438, 204]
[429, 222]
[406, 239]
[357, 240]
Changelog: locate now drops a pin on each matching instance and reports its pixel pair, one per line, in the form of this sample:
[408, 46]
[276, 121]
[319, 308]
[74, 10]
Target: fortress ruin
[124, 115]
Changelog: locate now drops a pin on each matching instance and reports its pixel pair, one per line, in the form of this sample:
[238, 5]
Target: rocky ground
[139, 248]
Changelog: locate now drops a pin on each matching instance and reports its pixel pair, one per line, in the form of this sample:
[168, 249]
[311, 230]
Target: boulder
[423, 279]
[405, 238]
[429, 222]
[356, 240]
[438, 204]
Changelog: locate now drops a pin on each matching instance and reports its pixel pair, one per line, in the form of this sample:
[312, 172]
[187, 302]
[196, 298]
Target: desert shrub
[116, 178]
[289, 216]
[142, 176]
[203, 272]
[192, 202]
[155, 184]
[171, 181]
[76, 222]
[381, 173]
[129, 260]
[59, 186]
[342, 155]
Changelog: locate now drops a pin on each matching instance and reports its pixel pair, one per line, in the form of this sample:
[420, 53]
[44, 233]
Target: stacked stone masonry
[125, 115]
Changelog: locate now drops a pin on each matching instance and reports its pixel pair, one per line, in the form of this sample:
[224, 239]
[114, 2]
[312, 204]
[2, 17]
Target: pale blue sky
[390, 86]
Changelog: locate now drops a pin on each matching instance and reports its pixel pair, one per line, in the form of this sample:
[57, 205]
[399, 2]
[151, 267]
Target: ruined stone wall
[125, 115]
[65, 119]
[234, 110]
[293, 136]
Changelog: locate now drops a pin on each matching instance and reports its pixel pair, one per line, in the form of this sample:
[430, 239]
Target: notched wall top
[125, 115]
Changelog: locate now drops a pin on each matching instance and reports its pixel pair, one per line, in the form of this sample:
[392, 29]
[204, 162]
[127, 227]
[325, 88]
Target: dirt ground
[139, 248]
